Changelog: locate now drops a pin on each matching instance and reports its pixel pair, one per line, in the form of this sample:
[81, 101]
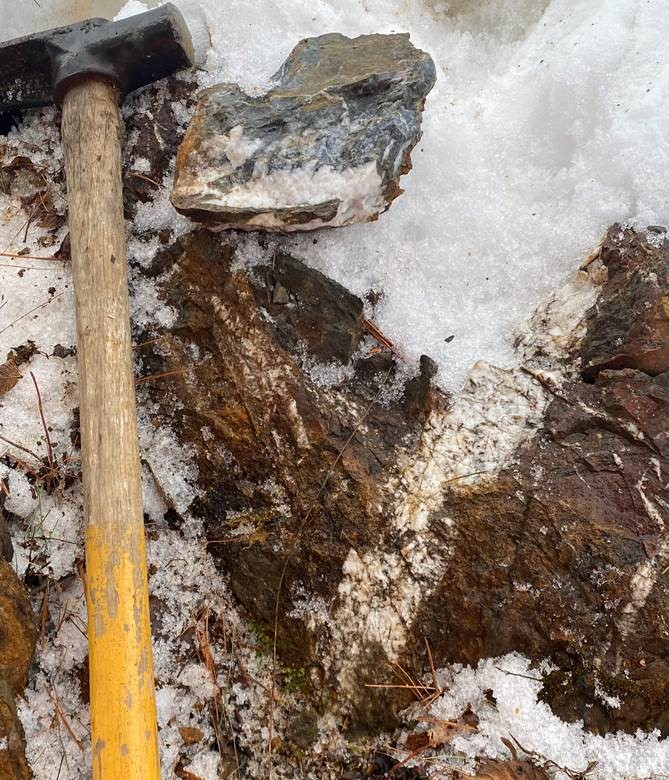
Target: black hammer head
[35, 70]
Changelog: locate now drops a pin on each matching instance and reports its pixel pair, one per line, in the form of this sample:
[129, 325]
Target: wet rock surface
[325, 147]
[528, 516]
[17, 645]
[562, 556]
[629, 325]
[291, 473]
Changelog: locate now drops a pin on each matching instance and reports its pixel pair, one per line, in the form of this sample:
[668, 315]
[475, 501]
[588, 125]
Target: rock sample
[325, 147]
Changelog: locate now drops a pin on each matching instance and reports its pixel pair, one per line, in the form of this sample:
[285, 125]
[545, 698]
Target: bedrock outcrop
[527, 514]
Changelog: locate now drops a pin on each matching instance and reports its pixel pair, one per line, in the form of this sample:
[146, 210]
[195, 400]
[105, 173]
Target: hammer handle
[123, 711]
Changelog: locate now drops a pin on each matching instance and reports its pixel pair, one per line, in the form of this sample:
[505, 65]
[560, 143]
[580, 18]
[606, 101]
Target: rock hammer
[87, 68]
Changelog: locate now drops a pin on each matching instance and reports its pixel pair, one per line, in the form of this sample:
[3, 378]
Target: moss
[263, 636]
[293, 679]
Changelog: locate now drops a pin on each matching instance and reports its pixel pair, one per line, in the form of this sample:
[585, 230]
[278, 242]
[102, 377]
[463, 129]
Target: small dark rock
[280, 294]
[417, 390]
[64, 250]
[6, 546]
[383, 766]
[326, 318]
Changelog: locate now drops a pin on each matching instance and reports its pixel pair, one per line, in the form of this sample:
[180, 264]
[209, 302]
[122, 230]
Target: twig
[517, 674]
[371, 328]
[142, 176]
[35, 308]
[149, 341]
[63, 719]
[49, 447]
[162, 375]
[29, 257]
[22, 448]
[393, 685]
[574, 774]
[437, 687]
[404, 675]
[26, 224]
[43, 614]
[29, 267]
[291, 551]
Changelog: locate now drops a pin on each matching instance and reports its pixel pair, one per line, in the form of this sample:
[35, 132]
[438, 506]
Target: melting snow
[515, 684]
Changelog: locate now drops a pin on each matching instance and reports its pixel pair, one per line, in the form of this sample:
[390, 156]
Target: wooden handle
[123, 710]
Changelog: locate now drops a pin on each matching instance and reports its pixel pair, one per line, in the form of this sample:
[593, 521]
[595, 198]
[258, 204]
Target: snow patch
[515, 683]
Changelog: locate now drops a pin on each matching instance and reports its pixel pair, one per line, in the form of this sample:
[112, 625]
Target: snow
[515, 684]
[546, 125]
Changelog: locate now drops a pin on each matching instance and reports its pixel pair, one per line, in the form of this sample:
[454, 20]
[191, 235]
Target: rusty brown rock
[17, 629]
[17, 645]
[549, 556]
[273, 435]
[629, 325]
[13, 763]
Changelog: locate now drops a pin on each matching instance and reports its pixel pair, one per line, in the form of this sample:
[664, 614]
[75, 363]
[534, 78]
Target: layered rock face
[292, 473]
[528, 515]
[564, 553]
[325, 147]
[629, 326]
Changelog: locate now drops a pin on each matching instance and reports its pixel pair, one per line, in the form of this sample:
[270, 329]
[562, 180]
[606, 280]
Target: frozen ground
[547, 124]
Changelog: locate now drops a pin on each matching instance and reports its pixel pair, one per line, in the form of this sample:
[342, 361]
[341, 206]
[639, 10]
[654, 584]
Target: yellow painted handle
[123, 709]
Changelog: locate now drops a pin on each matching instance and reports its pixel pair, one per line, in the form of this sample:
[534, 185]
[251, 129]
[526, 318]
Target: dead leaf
[469, 717]
[511, 770]
[9, 376]
[442, 733]
[184, 774]
[190, 735]
[418, 741]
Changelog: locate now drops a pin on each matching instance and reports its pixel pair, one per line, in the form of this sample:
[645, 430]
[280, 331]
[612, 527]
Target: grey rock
[325, 147]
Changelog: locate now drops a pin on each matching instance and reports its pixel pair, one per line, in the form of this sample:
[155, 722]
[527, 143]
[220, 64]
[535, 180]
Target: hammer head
[35, 70]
